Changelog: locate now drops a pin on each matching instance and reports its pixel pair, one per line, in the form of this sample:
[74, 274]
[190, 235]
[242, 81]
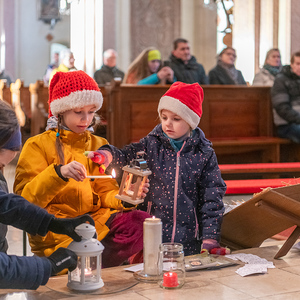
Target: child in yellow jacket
[52, 170]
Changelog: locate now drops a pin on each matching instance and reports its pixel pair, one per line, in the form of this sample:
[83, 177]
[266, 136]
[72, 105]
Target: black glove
[67, 226]
[61, 259]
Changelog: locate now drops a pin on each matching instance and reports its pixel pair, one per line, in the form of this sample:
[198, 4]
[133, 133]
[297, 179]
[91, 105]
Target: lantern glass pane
[91, 269]
[75, 275]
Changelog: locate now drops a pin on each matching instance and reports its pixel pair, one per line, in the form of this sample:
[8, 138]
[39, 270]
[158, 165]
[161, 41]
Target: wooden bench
[238, 120]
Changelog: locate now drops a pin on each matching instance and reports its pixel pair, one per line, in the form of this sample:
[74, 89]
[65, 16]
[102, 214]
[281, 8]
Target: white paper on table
[249, 269]
[135, 268]
[251, 259]
[254, 264]
[167, 267]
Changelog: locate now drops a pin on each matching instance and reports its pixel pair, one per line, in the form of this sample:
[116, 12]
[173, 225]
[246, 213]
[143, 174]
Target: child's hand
[145, 188]
[101, 157]
[213, 247]
[74, 170]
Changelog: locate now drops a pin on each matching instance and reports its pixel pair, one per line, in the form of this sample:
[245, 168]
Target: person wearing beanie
[52, 173]
[186, 187]
[28, 272]
[147, 68]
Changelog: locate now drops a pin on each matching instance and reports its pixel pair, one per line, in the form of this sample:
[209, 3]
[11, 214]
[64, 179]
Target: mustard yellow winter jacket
[37, 181]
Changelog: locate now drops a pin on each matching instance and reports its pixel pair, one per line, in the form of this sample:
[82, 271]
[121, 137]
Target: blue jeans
[290, 131]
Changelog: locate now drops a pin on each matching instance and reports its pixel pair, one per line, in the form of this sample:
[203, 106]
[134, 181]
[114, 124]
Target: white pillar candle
[152, 239]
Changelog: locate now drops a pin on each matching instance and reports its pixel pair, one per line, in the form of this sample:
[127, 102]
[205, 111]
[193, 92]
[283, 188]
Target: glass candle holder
[171, 262]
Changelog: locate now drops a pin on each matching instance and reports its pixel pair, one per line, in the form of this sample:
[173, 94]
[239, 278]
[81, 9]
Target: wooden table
[279, 283]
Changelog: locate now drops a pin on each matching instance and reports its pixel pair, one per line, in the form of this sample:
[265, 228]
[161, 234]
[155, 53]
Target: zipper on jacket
[176, 193]
[149, 207]
[197, 224]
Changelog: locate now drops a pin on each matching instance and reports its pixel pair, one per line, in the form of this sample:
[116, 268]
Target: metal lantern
[87, 275]
[134, 175]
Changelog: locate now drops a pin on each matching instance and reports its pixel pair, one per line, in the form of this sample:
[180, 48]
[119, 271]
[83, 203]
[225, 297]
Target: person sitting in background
[28, 272]
[272, 66]
[185, 66]
[67, 61]
[285, 94]
[147, 69]
[225, 72]
[109, 69]
[51, 67]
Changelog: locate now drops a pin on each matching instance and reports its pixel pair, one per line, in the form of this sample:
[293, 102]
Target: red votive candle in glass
[170, 279]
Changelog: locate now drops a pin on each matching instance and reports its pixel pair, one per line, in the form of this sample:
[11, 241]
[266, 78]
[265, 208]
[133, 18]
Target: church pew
[237, 119]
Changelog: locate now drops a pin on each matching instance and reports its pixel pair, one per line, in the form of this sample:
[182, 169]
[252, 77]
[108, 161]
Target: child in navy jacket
[186, 187]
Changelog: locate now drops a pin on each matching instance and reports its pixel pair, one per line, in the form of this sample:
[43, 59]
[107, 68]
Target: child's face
[6, 156]
[173, 125]
[79, 119]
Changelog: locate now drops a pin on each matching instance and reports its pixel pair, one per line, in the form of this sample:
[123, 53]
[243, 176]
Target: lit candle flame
[113, 173]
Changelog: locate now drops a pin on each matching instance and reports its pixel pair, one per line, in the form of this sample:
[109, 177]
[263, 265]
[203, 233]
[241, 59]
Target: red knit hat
[185, 100]
[74, 89]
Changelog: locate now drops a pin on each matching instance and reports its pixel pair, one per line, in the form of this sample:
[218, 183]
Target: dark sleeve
[18, 212]
[241, 78]
[281, 101]
[99, 78]
[213, 78]
[203, 77]
[211, 207]
[26, 272]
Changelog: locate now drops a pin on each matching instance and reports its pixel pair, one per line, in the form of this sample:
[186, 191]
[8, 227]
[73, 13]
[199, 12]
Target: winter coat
[219, 75]
[27, 272]
[189, 73]
[263, 78]
[106, 74]
[186, 187]
[3, 228]
[285, 95]
[37, 181]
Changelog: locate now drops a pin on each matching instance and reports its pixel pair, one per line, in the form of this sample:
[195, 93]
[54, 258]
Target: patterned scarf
[231, 71]
[52, 123]
[273, 70]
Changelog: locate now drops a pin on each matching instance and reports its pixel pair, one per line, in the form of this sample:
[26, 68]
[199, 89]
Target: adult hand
[67, 226]
[73, 170]
[62, 259]
[165, 73]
